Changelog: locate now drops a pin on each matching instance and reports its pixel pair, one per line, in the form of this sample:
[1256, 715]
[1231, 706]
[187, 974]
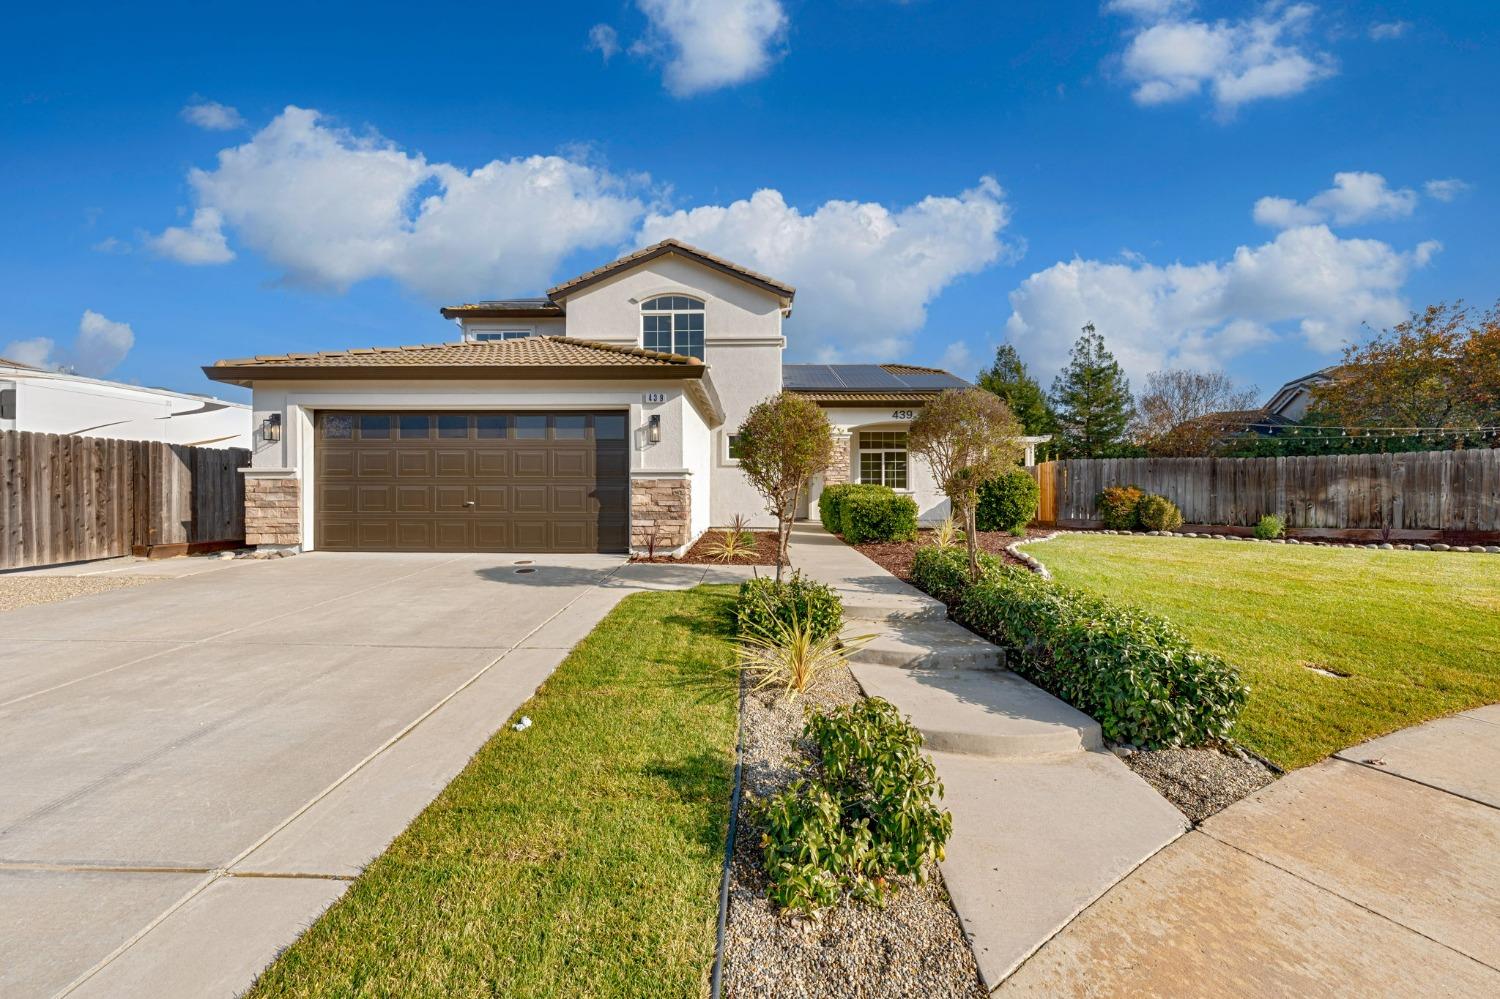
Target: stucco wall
[540, 327]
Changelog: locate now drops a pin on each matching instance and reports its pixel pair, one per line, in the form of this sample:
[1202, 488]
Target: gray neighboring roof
[845, 378]
[1284, 395]
[6, 362]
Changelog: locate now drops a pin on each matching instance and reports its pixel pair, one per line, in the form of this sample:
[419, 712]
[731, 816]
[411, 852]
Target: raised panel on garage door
[521, 481]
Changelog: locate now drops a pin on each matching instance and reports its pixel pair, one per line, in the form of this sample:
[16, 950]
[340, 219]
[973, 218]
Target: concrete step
[923, 644]
[884, 608]
[990, 713]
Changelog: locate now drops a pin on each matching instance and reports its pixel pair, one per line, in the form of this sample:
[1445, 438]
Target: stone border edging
[1371, 546]
[1030, 561]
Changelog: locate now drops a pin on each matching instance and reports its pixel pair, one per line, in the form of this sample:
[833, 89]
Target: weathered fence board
[1420, 491]
[67, 499]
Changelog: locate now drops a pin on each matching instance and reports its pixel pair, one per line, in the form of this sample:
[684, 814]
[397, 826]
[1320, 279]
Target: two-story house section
[600, 417]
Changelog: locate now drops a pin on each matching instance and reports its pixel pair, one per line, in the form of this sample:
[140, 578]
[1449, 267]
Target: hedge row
[863, 512]
[1132, 671]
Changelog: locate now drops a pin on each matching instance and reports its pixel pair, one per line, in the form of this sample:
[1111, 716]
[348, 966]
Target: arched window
[673, 324]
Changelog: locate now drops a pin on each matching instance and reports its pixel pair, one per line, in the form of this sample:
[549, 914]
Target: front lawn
[1417, 632]
[579, 858]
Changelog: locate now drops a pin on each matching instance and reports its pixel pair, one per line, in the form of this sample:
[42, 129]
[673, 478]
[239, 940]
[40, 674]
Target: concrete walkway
[193, 770]
[1044, 821]
[1375, 873]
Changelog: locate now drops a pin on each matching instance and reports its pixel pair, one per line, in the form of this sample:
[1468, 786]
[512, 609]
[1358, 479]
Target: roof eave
[247, 375]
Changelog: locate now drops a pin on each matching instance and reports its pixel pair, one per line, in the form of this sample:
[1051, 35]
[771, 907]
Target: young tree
[1174, 416]
[1091, 397]
[1437, 369]
[1009, 379]
[968, 437]
[783, 443]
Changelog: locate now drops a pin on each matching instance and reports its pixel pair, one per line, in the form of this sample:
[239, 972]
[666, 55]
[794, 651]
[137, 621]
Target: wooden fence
[1408, 494]
[66, 499]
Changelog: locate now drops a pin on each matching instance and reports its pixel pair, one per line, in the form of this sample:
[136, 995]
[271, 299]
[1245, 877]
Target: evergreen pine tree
[1009, 379]
[1091, 397]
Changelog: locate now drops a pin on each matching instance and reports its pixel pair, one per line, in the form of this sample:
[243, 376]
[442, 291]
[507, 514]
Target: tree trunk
[972, 537]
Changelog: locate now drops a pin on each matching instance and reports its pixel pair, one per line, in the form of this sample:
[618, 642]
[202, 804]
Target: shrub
[868, 812]
[1008, 503]
[878, 515]
[763, 602]
[1157, 513]
[831, 500]
[791, 656]
[944, 572]
[1118, 507]
[1270, 526]
[736, 542]
[1133, 672]
[947, 534]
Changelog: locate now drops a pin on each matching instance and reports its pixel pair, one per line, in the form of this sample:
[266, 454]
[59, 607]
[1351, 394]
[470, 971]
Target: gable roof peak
[673, 246]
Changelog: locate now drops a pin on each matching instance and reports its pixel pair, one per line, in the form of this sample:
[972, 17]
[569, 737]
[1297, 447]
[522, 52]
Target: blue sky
[1235, 185]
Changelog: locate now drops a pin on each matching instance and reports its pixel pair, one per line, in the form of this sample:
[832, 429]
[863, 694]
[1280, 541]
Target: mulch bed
[896, 556]
[914, 946]
[765, 551]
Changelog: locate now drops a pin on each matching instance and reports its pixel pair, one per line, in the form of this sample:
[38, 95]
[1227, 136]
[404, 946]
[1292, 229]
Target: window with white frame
[882, 458]
[732, 449]
[673, 324]
[490, 335]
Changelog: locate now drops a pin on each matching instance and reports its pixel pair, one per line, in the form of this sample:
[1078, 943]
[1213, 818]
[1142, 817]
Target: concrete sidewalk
[1375, 873]
[1044, 821]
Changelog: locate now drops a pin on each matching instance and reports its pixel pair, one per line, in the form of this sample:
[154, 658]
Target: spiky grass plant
[736, 543]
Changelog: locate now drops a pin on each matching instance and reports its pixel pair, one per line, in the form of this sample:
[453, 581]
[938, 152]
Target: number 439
[904, 414]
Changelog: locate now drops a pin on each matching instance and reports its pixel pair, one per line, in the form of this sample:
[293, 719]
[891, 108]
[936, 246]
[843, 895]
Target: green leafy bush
[1118, 507]
[944, 572]
[878, 515]
[1270, 526]
[1157, 513]
[831, 502]
[1008, 503]
[1132, 671]
[763, 603]
[868, 811]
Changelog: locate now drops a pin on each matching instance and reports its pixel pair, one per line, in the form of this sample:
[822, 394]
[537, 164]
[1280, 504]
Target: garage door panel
[373, 499]
[414, 499]
[532, 482]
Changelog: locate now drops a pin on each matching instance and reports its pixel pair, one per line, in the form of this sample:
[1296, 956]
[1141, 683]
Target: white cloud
[710, 44]
[1447, 189]
[1148, 10]
[957, 358]
[201, 242]
[1307, 282]
[1172, 59]
[212, 115]
[111, 244]
[99, 347]
[1355, 197]
[604, 40]
[864, 272]
[1385, 30]
[331, 208]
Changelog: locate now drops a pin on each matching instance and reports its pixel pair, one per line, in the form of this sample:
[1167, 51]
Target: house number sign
[656, 397]
[904, 414]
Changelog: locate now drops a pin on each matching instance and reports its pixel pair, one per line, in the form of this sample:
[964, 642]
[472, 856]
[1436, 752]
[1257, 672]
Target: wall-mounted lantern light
[270, 428]
[653, 429]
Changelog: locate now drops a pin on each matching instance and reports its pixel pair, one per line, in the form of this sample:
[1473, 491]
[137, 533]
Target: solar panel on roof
[810, 376]
[932, 381]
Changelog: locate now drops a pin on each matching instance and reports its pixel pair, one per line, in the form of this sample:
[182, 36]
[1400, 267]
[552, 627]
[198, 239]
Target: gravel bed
[25, 591]
[911, 947]
[1199, 782]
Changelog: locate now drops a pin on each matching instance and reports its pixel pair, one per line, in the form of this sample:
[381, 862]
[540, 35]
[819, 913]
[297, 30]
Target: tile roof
[863, 397]
[663, 248]
[537, 352]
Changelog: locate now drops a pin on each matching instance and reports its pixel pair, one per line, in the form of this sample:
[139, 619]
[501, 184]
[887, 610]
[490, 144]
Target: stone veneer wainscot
[272, 508]
[662, 507]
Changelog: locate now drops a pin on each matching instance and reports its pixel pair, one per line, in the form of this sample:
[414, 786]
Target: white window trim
[724, 458]
[702, 309]
[860, 451]
[496, 335]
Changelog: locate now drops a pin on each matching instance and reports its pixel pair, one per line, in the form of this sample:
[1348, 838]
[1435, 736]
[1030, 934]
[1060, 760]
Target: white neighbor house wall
[680, 451]
[52, 402]
[742, 347]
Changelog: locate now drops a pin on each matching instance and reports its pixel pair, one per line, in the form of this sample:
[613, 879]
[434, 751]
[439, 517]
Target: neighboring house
[598, 418]
[55, 402]
[1292, 400]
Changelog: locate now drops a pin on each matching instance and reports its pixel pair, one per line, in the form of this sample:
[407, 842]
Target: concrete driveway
[193, 769]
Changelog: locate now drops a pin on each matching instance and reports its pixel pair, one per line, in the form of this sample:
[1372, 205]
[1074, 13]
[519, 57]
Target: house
[56, 402]
[1292, 400]
[600, 417]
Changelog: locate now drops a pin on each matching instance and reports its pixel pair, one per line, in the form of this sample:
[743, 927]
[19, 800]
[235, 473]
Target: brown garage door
[472, 482]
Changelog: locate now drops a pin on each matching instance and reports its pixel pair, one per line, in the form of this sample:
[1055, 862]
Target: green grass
[579, 858]
[1418, 632]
